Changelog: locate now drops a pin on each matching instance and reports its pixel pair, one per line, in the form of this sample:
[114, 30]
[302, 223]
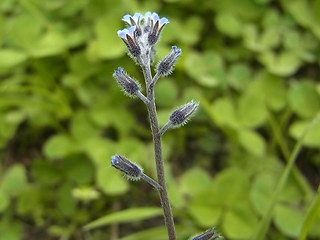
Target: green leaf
[82, 127]
[223, 113]
[14, 180]
[4, 200]
[156, 233]
[239, 224]
[194, 181]
[283, 64]
[252, 142]
[108, 45]
[45, 172]
[205, 215]
[311, 139]
[289, 220]
[10, 58]
[207, 69]
[65, 201]
[304, 99]
[128, 215]
[51, 44]
[252, 111]
[10, 230]
[239, 76]
[59, 146]
[78, 168]
[228, 24]
[166, 92]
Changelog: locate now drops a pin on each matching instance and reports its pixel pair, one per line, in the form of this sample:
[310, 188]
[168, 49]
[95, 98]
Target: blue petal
[131, 30]
[126, 18]
[122, 33]
[163, 21]
[155, 17]
[136, 17]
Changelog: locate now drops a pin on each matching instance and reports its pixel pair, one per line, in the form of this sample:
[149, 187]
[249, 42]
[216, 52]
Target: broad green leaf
[108, 45]
[65, 201]
[207, 69]
[51, 44]
[14, 180]
[124, 216]
[205, 215]
[289, 220]
[252, 110]
[252, 142]
[78, 168]
[239, 224]
[45, 172]
[10, 58]
[4, 200]
[11, 230]
[282, 64]
[228, 24]
[82, 127]
[59, 146]
[239, 76]
[271, 89]
[194, 181]
[311, 139]
[166, 92]
[223, 113]
[304, 99]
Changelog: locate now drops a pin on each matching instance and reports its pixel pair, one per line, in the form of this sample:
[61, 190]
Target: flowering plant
[140, 37]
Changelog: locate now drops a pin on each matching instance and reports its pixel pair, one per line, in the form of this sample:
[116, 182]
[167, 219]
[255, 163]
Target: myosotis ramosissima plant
[140, 37]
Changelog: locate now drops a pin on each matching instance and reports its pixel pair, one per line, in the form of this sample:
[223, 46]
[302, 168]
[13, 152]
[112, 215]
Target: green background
[252, 64]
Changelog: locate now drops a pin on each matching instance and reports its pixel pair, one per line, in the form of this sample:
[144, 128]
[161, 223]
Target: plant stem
[263, 227]
[151, 106]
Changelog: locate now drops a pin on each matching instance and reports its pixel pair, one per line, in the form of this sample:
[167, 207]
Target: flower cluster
[142, 33]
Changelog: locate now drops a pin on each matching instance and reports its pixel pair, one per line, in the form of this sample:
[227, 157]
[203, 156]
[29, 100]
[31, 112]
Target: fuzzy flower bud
[210, 234]
[132, 170]
[129, 85]
[181, 115]
[166, 65]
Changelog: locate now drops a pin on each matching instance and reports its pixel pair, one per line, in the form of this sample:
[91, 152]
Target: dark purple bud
[181, 115]
[210, 234]
[129, 85]
[166, 65]
[132, 170]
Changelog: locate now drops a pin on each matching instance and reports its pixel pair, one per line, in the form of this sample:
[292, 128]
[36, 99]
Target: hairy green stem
[151, 106]
[264, 225]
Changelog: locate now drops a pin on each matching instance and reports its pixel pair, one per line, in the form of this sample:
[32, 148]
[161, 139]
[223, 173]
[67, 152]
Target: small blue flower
[124, 32]
[128, 36]
[132, 20]
[156, 25]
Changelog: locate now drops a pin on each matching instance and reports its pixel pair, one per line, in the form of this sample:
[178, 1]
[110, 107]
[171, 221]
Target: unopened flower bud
[166, 65]
[181, 115]
[210, 234]
[132, 170]
[128, 84]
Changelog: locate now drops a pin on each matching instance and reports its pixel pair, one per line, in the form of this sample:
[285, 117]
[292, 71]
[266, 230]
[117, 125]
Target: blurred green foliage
[253, 65]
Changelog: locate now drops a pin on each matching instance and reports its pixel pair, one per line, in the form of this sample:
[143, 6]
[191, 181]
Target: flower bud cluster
[142, 33]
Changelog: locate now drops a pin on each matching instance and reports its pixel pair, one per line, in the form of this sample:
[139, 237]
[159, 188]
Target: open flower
[134, 21]
[156, 25]
[128, 36]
